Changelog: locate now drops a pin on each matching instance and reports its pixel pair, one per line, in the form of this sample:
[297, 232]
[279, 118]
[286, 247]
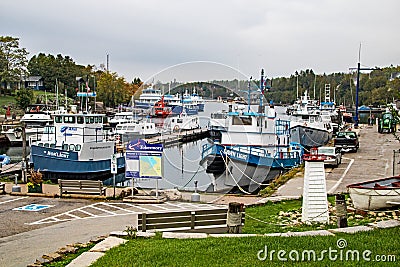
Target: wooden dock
[11, 169]
[172, 138]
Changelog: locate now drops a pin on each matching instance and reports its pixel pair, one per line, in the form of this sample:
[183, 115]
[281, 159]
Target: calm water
[181, 162]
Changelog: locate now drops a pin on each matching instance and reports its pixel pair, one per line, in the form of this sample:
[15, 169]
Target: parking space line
[119, 208]
[139, 208]
[159, 206]
[341, 178]
[11, 200]
[103, 210]
[86, 212]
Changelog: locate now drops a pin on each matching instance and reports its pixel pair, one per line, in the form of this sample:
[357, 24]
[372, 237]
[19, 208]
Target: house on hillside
[34, 82]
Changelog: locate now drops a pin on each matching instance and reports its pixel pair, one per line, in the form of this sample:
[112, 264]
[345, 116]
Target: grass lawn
[6, 101]
[243, 251]
[247, 251]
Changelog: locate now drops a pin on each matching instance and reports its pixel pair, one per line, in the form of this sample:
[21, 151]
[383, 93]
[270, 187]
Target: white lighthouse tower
[315, 200]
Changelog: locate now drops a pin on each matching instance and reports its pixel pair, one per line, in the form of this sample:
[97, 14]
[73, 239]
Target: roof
[33, 78]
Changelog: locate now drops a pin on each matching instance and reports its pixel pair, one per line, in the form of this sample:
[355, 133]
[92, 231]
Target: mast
[56, 94]
[260, 108]
[248, 95]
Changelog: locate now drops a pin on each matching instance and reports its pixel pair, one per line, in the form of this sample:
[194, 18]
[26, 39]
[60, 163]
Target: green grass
[280, 180]
[6, 101]
[243, 251]
[265, 219]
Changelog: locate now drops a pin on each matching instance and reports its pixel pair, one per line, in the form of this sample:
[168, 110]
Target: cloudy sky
[206, 40]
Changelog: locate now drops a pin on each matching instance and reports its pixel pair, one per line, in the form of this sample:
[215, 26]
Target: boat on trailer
[376, 194]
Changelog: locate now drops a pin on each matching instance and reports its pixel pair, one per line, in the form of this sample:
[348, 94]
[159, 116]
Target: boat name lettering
[57, 154]
[100, 147]
[159, 148]
[236, 154]
[64, 128]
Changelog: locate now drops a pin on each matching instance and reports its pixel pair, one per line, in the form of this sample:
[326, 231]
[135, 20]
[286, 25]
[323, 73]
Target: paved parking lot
[56, 210]
[28, 234]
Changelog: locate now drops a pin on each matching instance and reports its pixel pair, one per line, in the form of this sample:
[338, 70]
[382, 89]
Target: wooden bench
[2, 187]
[184, 220]
[81, 187]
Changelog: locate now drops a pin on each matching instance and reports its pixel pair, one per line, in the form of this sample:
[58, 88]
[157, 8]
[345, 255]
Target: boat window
[69, 119]
[65, 146]
[179, 120]
[40, 144]
[265, 124]
[52, 145]
[71, 147]
[58, 119]
[173, 120]
[236, 120]
[80, 120]
[77, 147]
[46, 145]
[91, 119]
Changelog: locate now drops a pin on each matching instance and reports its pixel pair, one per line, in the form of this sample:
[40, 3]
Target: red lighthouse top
[314, 156]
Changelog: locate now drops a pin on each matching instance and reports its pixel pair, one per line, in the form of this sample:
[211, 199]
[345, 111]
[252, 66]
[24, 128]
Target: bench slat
[81, 187]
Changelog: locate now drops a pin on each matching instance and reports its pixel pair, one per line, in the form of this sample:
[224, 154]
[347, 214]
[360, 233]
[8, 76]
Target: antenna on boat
[248, 96]
[56, 94]
[260, 109]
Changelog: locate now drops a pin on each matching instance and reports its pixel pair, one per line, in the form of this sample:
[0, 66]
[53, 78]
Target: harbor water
[181, 166]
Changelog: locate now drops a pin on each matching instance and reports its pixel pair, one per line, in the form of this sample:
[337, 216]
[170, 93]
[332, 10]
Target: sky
[209, 40]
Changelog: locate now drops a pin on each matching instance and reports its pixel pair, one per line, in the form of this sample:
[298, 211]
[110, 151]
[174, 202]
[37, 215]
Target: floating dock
[169, 139]
[11, 169]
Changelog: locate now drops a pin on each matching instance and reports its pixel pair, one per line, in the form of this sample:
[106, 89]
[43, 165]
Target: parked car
[333, 155]
[346, 141]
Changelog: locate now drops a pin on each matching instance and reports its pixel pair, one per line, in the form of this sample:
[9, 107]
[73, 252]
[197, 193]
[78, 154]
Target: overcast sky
[148, 38]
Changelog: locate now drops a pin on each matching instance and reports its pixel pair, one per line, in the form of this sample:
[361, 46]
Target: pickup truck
[346, 141]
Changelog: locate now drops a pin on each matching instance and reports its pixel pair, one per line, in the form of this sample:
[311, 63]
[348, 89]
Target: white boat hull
[374, 199]
[15, 137]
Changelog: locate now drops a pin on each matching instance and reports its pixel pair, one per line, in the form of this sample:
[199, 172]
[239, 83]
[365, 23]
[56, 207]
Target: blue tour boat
[252, 148]
[75, 147]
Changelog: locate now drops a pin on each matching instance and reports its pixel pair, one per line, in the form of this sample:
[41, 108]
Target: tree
[60, 68]
[13, 61]
[113, 90]
[24, 97]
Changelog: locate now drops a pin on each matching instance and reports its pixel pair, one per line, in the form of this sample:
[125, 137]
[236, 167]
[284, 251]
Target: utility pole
[358, 89]
[358, 85]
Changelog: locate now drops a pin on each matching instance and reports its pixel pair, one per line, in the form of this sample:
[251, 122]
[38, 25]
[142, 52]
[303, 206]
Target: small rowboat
[376, 194]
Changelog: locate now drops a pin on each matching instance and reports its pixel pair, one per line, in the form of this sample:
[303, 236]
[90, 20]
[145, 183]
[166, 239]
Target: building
[34, 82]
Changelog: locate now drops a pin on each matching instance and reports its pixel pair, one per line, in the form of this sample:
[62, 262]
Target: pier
[172, 138]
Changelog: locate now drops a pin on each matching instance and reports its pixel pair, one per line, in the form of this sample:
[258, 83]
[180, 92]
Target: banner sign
[143, 160]
[86, 94]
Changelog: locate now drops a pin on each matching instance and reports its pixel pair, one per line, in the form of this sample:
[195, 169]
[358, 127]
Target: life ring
[176, 128]
[18, 132]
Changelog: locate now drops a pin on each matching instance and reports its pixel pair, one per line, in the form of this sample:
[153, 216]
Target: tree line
[377, 87]
[59, 73]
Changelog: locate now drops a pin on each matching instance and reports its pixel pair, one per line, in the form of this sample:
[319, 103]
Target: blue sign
[84, 94]
[143, 160]
[141, 145]
[33, 207]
